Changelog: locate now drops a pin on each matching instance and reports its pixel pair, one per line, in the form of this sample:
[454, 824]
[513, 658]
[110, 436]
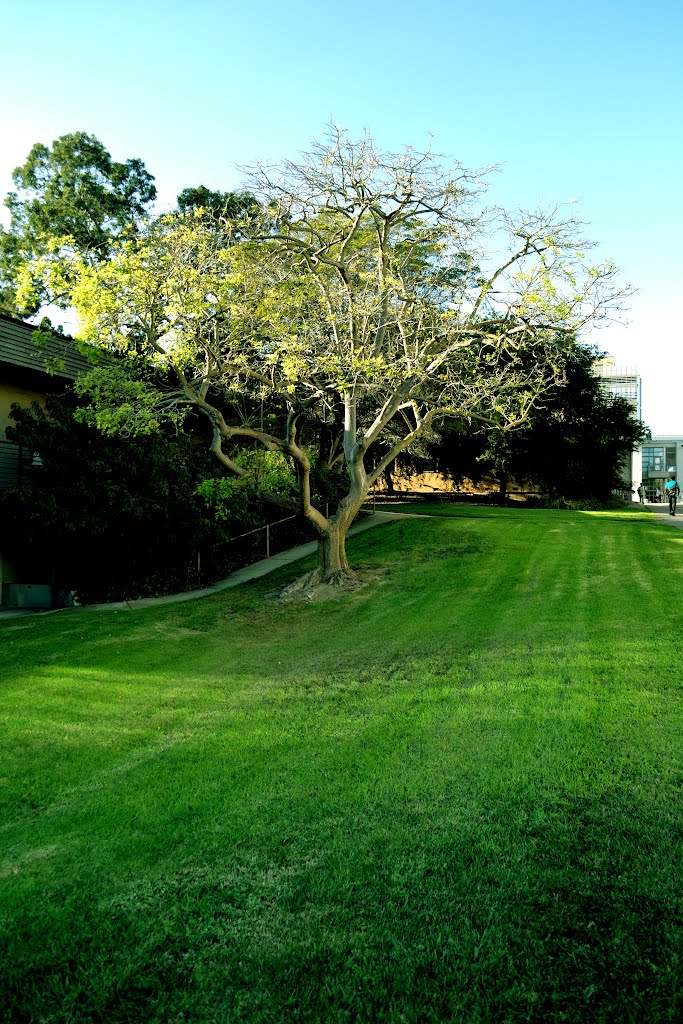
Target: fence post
[267, 541]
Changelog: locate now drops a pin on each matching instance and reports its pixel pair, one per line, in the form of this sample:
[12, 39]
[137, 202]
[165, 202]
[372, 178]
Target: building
[624, 383]
[30, 370]
[620, 383]
[660, 459]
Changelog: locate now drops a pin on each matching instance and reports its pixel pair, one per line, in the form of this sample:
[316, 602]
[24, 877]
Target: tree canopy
[216, 205]
[573, 445]
[368, 296]
[72, 199]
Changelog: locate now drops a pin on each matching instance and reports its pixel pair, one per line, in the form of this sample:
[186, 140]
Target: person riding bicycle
[672, 491]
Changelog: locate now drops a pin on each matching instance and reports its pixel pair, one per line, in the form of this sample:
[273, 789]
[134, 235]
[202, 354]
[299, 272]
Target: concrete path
[266, 565]
[249, 572]
[662, 510]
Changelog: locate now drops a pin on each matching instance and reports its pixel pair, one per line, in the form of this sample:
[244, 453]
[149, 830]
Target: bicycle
[673, 498]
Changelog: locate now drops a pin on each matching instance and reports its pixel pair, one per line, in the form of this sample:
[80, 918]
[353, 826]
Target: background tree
[361, 297]
[216, 205]
[572, 446]
[71, 199]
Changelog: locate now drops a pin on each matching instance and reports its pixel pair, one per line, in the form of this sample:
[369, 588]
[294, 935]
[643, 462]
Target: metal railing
[260, 529]
[268, 526]
[250, 533]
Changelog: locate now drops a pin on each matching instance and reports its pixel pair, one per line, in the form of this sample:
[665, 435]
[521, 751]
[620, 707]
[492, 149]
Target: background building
[624, 382]
[29, 372]
[661, 457]
[620, 382]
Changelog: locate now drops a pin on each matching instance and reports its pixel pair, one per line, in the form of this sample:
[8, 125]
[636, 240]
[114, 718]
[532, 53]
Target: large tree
[363, 299]
[572, 446]
[72, 199]
[216, 206]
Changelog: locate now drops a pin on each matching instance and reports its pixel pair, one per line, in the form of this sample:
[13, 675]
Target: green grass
[452, 796]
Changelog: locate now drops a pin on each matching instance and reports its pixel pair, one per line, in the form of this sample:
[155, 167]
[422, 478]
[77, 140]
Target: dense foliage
[116, 517]
[72, 200]
[348, 294]
[573, 446]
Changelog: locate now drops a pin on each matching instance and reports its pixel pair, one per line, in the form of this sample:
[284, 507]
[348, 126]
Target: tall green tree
[71, 200]
[359, 302]
[573, 445]
[217, 205]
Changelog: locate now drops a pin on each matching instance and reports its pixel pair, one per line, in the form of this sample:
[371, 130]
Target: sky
[579, 102]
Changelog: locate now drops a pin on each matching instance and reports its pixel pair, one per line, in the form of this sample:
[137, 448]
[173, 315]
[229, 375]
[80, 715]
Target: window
[653, 461]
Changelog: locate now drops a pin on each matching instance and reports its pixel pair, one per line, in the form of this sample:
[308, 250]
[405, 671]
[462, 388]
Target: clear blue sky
[579, 101]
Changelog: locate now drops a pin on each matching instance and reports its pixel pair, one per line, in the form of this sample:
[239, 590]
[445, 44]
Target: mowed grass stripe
[454, 795]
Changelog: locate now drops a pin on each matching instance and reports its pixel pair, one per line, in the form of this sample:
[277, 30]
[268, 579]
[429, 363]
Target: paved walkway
[249, 572]
[663, 511]
[266, 565]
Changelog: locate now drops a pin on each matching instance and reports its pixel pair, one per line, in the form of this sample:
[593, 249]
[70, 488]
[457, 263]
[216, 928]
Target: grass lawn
[452, 796]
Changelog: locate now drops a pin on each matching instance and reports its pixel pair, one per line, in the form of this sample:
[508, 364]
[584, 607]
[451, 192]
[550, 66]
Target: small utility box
[27, 595]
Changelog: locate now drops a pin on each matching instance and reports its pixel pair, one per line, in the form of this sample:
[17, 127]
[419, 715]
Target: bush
[114, 518]
[574, 504]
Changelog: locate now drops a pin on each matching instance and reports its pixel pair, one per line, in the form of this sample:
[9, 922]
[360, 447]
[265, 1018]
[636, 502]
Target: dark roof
[58, 355]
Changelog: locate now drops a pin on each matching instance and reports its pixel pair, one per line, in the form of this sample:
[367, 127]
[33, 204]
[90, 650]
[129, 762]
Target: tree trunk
[333, 563]
[333, 569]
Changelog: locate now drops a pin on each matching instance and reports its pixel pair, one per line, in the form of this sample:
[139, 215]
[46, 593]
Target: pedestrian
[641, 494]
[672, 492]
[658, 494]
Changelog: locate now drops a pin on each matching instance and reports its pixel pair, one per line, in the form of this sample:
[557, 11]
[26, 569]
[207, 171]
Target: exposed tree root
[315, 586]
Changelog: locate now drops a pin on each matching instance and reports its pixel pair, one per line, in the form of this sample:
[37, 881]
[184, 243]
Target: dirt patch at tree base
[312, 588]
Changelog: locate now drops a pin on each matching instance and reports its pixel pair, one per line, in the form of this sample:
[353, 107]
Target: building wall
[28, 373]
[11, 394]
[624, 383]
[620, 382]
[19, 387]
[659, 458]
